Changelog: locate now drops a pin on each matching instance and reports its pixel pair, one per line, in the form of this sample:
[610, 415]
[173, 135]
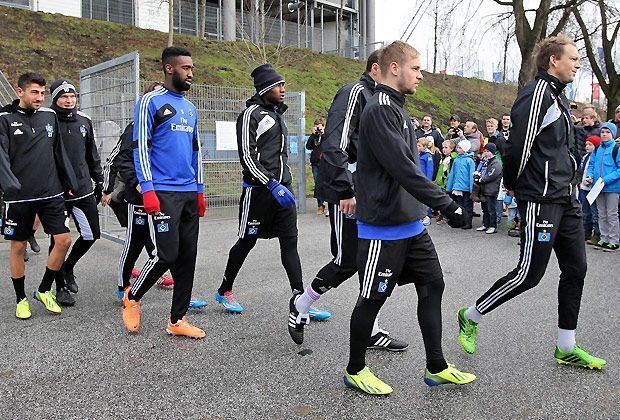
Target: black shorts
[86, 217]
[261, 216]
[383, 264]
[19, 218]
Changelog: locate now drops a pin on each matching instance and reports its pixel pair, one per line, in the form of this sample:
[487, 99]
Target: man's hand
[348, 206]
[455, 215]
[282, 194]
[151, 202]
[105, 199]
[202, 206]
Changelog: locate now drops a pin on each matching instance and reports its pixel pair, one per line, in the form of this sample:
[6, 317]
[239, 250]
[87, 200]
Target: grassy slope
[59, 46]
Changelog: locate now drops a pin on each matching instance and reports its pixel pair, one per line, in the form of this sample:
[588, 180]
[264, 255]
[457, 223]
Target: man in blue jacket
[169, 169]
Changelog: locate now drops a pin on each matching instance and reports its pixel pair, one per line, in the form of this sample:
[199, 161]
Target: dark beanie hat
[60, 87]
[265, 78]
[491, 147]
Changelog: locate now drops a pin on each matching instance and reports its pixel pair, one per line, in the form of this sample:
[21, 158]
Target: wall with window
[119, 11]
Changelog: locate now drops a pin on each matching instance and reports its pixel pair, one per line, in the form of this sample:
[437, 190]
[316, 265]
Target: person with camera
[314, 144]
[455, 126]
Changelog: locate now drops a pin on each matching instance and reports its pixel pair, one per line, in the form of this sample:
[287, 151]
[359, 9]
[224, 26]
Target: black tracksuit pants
[174, 237]
[343, 243]
[546, 227]
[136, 238]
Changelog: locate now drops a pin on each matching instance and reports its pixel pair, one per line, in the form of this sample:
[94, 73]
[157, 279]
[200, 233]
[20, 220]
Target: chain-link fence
[108, 93]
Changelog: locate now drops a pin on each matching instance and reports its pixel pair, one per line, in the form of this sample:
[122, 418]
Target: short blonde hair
[397, 51]
[492, 121]
[590, 112]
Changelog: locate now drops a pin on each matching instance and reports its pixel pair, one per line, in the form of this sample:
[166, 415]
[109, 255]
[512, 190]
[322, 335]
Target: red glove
[202, 206]
[151, 202]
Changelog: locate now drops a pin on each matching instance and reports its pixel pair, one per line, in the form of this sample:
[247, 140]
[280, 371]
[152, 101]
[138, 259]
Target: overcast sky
[484, 54]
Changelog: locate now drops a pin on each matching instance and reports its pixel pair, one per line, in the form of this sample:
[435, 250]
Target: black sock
[236, 256]
[429, 318]
[80, 247]
[48, 279]
[18, 285]
[59, 278]
[362, 320]
[291, 263]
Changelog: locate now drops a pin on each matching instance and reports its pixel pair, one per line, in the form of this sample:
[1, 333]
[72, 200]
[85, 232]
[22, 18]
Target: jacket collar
[258, 100]
[554, 82]
[395, 95]
[367, 79]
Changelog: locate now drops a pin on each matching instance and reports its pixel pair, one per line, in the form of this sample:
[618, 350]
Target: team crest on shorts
[9, 231]
[50, 130]
[163, 227]
[544, 236]
[139, 221]
[382, 287]
[253, 231]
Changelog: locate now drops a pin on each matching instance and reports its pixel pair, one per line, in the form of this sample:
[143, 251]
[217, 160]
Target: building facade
[344, 27]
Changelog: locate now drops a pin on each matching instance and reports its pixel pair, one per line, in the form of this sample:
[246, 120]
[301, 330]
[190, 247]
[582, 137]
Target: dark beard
[179, 84]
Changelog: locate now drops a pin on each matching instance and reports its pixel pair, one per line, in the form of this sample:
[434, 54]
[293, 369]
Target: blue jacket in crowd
[611, 170]
[426, 164]
[461, 176]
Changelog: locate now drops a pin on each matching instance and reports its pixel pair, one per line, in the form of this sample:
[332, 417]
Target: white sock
[473, 315]
[306, 299]
[375, 327]
[566, 340]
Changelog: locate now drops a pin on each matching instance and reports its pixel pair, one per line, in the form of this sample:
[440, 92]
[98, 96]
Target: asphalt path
[84, 364]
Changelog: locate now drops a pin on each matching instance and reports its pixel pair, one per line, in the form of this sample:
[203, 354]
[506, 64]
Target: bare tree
[611, 84]
[202, 18]
[528, 35]
[442, 20]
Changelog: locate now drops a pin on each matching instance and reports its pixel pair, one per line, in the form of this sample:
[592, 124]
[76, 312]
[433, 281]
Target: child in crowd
[436, 153]
[605, 164]
[489, 176]
[461, 179]
[427, 167]
[590, 212]
[445, 165]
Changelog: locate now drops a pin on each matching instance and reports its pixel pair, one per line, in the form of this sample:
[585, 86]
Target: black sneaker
[70, 280]
[296, 321]
[383, 341]
[64, 298]
[34, 246]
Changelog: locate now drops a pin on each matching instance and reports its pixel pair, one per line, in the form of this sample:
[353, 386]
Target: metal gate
[108, 94]
[7, 93]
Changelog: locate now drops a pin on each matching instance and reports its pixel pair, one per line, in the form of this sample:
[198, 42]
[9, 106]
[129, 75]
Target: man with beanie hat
[336, 184]
[79, 140]
[489, 177]
[540, 168]
[267, 205]
[168, 166]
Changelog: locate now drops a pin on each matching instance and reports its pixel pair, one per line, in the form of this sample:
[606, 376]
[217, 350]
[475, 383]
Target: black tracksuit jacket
[335, 181]
[391, 188]
[33, 162]
[539, 164]
[122, 162]
[262, 142]
[79, 140]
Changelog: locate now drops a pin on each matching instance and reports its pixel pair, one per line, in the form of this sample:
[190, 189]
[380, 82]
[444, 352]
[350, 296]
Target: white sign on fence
[226, 135]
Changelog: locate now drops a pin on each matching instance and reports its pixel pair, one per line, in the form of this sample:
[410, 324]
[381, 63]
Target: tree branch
[596, 69]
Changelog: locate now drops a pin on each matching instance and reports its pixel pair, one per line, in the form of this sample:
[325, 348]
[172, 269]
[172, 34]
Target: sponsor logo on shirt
[184, 126]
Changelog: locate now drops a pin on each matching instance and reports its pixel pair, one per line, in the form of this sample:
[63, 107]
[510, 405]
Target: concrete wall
[152, 14]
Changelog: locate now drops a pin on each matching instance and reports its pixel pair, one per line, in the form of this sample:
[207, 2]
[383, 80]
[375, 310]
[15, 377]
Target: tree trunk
[202, 18]
[435, 39]
[613, 100]
[170, 23]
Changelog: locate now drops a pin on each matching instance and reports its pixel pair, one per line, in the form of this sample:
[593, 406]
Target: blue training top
[166, 143]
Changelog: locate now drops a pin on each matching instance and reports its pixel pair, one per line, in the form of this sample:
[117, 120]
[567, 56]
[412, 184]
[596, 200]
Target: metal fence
[108, 93]
[7, 92]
